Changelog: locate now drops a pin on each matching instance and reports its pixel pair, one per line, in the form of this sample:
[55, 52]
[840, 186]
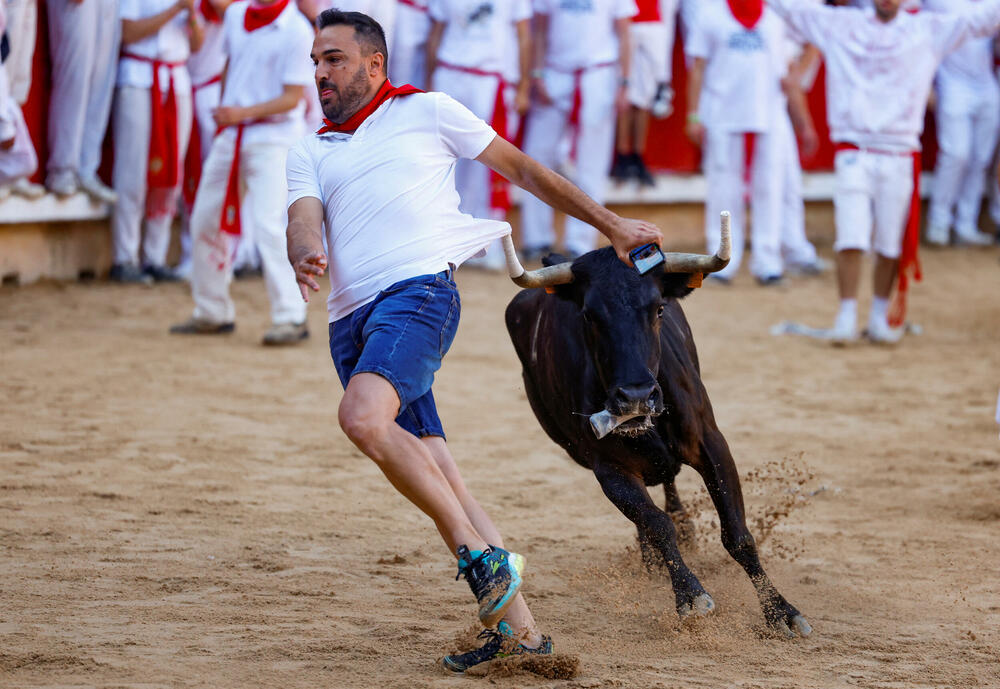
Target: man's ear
[677, 285]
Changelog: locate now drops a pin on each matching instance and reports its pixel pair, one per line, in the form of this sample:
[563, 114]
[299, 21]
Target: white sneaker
[5, 190]
[62, 183]
[98, 190]
[842, 333]
[974, 238]
[29, 190]
[880, 332]
[937, 235]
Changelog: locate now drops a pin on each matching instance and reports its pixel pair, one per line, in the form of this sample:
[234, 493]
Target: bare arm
[196, 32]
[305, 243]
[134, 30]
[622, 28]
[694, 128]
[523, 98]
[557, 191]
[540, 28]
[798, 107]
[226, 116]
[433, 44]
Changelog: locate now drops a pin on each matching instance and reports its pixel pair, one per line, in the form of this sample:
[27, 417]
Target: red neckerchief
[209, 12]
[385, 92]
[747, 12]
[262, 15]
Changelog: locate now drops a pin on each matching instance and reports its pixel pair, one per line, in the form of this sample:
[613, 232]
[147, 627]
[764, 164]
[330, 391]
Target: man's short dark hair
[367, 31]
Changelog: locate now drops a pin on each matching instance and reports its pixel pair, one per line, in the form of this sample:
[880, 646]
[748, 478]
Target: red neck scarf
[747, 12]
[262, 15]
[209, 12]
[385, 92]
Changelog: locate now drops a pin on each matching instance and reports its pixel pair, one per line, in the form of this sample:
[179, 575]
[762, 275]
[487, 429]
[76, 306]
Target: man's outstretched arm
[812, 21]
[557, 191]
[305, 243]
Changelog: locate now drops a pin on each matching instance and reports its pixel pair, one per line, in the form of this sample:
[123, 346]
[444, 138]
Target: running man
[381, 174]
[880, 63]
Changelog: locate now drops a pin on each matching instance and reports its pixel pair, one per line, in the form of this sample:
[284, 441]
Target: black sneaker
[533, 254]
[641, 172]
[127, 273]
[499, 644]
[494, 577]
[620, 168]
[161, 274]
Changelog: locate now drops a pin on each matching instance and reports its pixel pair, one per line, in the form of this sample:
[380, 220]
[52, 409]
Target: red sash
[747, 12]
[499, 187]
[163, 166]
[909, 260]
[384, 93]
[258, 16]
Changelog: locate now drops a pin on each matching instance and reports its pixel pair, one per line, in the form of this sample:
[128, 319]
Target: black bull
[593, 345]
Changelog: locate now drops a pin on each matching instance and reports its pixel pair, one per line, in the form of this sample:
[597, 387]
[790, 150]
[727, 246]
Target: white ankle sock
[879, 311]
[847, 317]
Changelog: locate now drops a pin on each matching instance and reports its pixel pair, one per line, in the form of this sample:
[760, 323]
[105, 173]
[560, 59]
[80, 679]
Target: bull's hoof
[699, 606]
[792, 627]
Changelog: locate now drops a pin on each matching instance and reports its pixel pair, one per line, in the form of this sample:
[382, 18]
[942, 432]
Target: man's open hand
[307, 269]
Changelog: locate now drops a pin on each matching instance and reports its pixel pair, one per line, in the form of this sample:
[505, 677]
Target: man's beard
[350, 99]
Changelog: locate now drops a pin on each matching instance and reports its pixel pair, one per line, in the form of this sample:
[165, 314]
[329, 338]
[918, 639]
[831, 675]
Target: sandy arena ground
[186, 512]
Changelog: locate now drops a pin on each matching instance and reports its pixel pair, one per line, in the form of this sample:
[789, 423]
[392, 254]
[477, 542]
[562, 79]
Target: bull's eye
[659, 311]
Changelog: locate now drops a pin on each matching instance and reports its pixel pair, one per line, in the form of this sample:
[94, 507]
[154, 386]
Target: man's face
[886, 10]
[345, 78]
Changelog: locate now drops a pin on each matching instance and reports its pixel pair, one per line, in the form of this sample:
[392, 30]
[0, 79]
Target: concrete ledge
[50, 208]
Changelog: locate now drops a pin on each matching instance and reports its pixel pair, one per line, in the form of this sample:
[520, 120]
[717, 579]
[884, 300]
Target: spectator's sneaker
[499, 644]
[198, 326]
[127, 273]
[22, 186]
[843, 332]
[161, 274]
[494, 576]
[620, 168]
[285, 334]
[770, 281]
[98, 190]
[975, 238]
[881, 333]
[641, 172]
[810, 269]
[62, 183]
[937, 235]
[533, 254]
[5, 191]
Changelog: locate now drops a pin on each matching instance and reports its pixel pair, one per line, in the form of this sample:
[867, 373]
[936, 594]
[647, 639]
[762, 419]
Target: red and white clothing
[388, 191]
[581, 76]
[968, 120]
[20, 160]
[137, 158]
[741, 101]
[382, 11]
[652, 47]
[84, 39]
[408, 49]
[260, 63]
[474, 68]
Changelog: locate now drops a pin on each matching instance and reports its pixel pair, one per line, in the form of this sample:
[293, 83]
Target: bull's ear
[675, 285]
[571, 291]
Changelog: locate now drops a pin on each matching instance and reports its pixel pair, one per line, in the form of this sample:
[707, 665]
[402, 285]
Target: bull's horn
[699, 263]
[558, 274]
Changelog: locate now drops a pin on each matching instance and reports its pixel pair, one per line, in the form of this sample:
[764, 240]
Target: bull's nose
[643, 398]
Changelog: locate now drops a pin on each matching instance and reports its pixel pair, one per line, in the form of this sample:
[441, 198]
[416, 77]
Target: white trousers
[84, 40]
[872, 196]
[407, 56]
[652, 45]
[724, 163]
[22, 27]
[967, 137]
[547, 126]
[19, 160]
[796, 249]
[262, 174]
[133, 120]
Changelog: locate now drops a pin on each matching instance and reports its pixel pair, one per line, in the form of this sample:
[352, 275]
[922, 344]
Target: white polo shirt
[878, 75]
[260, 63]
[582, 33]
[480, 33]
[741, 87]
[388, 193]
[170, 44]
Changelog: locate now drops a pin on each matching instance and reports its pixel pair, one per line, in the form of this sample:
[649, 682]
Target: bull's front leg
[718, 471]
[629, 494]
[683, 525]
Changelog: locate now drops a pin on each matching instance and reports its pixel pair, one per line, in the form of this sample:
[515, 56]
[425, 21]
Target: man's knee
[360, 422]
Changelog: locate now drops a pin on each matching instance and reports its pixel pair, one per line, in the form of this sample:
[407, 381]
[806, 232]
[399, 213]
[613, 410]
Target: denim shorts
[402, 335]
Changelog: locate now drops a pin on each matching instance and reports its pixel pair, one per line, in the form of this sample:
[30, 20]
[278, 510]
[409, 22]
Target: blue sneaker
[494, 575]
[499, 644]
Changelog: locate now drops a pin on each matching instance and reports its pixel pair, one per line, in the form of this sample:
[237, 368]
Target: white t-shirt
[741, 87]
[878, 75]
[480, 33]
[382, 11]
[582, 33]
[210, 59]
[389, 196]
[170, 44]
[261, 63]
